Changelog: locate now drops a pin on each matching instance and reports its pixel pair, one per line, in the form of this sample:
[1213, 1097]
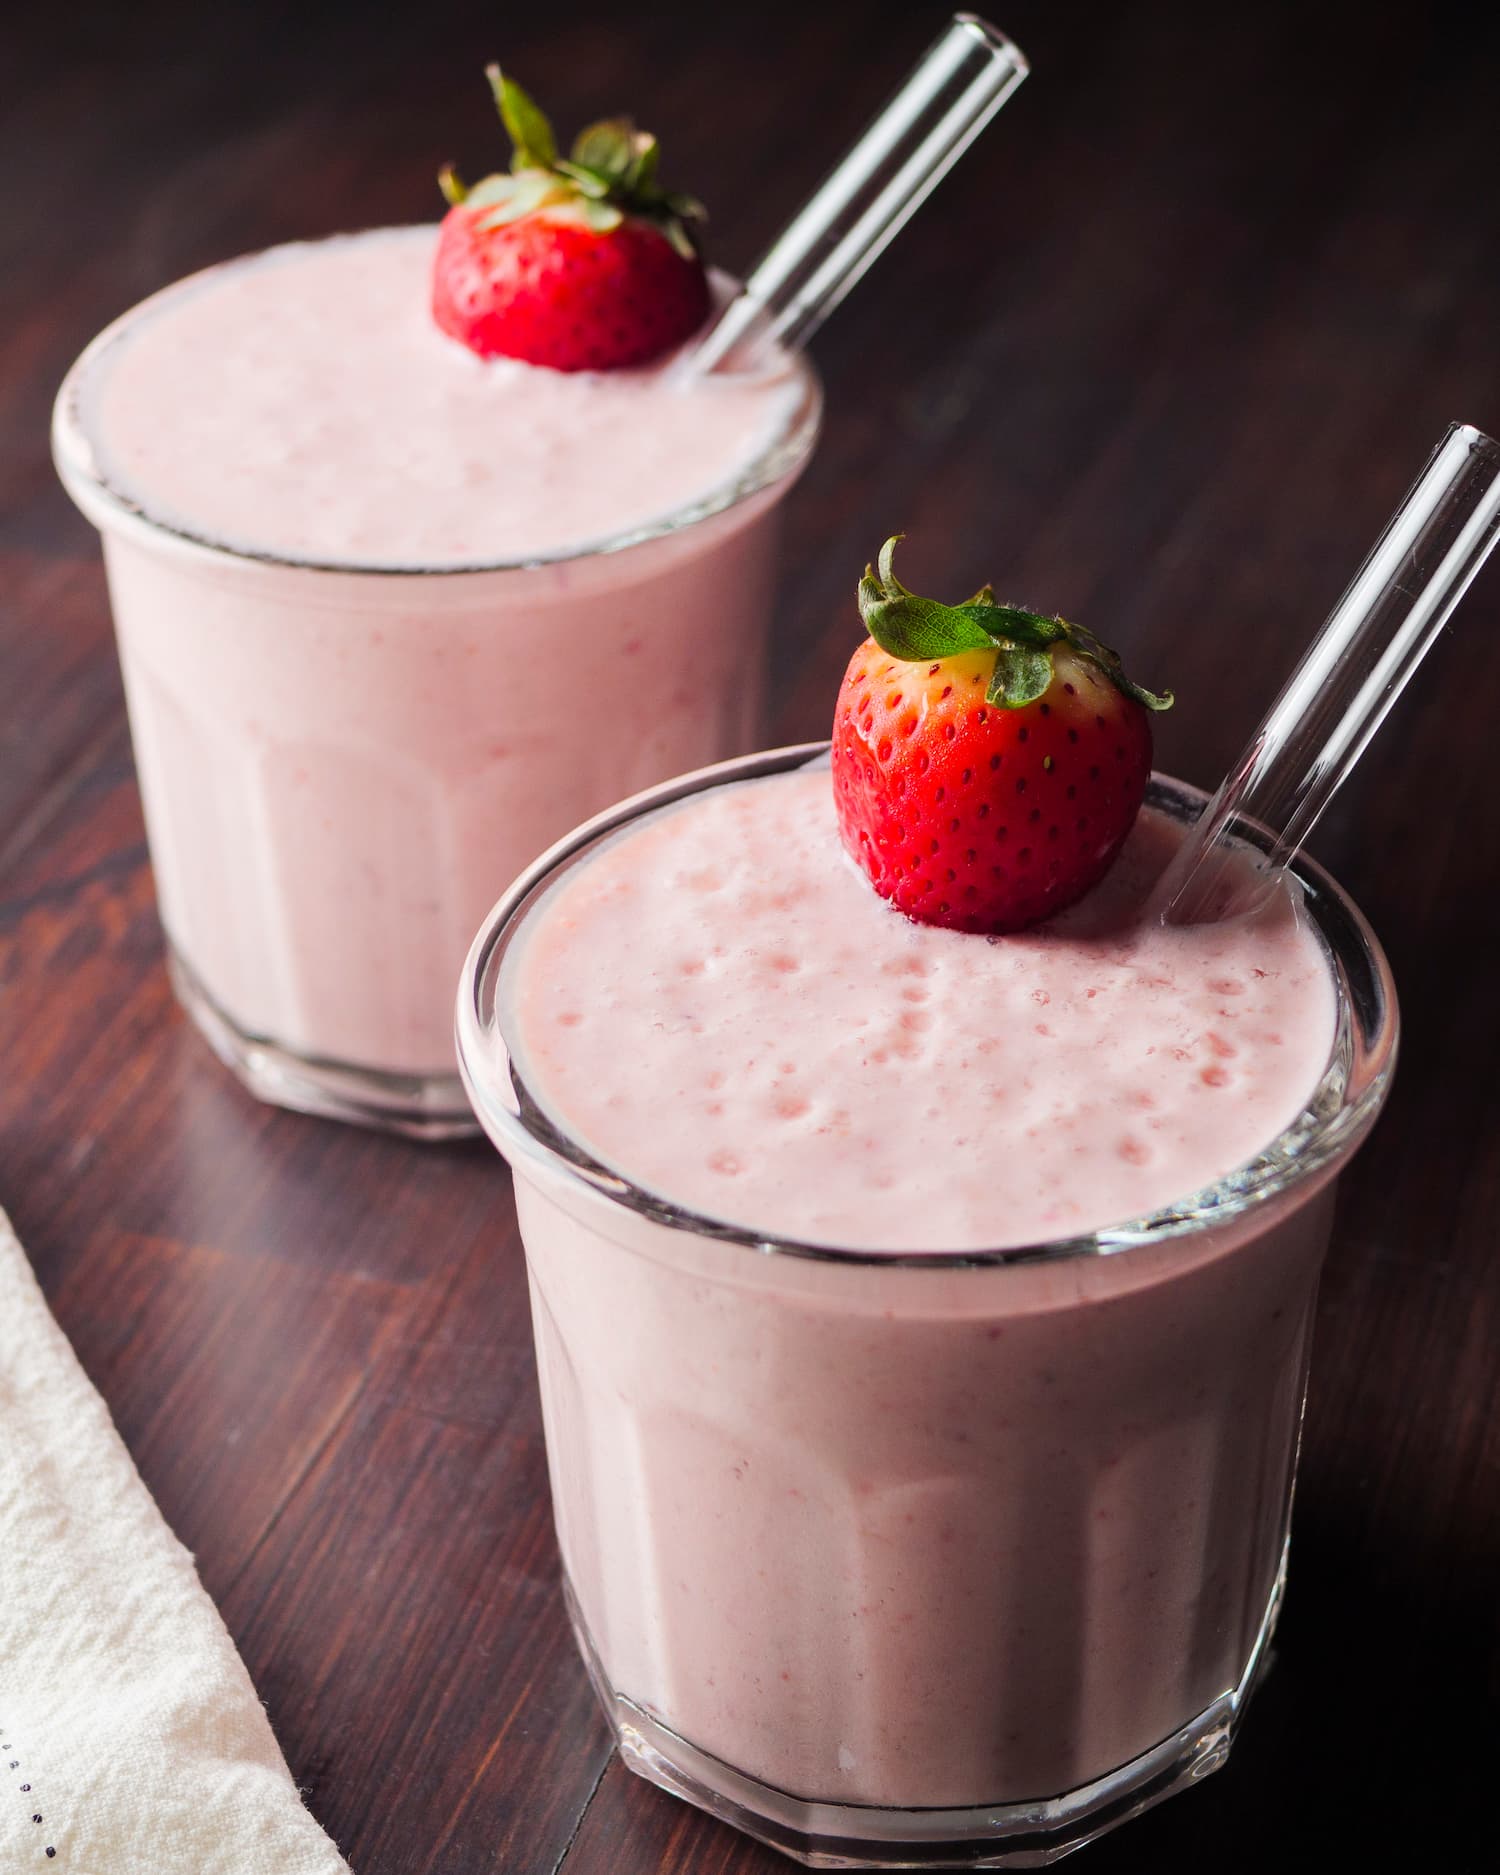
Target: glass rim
[1333, 1121]
[105, 503]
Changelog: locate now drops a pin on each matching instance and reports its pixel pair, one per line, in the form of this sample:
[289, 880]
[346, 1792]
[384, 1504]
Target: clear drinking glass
[337, 763]
[946, 1560]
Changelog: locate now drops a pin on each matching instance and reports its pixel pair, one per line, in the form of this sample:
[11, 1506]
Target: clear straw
[1352, 673]
[960, 83]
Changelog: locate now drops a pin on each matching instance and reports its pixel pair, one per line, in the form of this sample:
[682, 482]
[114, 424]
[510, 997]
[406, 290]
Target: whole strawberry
[987, 762]
[583, 263]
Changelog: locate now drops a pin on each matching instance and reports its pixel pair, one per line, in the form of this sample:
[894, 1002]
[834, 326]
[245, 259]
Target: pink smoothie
[303, 403]
[872, 1532]
[339, 765]
[838, 1074]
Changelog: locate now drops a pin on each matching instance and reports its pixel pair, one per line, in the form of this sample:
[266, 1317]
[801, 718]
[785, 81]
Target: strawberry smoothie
[922, 1318]
[352, 567]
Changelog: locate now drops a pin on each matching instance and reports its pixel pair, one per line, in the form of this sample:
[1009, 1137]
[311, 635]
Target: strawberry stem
[530, 133]
[917, 630]
[610, 172]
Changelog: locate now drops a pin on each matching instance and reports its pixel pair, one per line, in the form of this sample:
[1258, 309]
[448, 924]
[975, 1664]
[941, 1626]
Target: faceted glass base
[854, 1836]
[420, 1106]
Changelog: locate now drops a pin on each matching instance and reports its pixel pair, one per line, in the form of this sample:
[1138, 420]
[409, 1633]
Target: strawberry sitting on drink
[582, 263]
[988, 762]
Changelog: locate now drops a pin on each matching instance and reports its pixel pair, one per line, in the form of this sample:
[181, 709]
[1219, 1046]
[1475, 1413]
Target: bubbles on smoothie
[725, 1163]
[910, 964]
[754, 904]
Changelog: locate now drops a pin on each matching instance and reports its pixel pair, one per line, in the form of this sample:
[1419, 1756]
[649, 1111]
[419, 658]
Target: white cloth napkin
[131, 1739]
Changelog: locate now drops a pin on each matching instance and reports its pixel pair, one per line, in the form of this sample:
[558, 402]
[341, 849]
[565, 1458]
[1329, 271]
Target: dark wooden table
[1163, 355]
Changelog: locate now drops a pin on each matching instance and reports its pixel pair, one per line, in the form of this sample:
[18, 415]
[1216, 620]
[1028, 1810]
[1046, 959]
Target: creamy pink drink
[392, 617]
[922, 1318]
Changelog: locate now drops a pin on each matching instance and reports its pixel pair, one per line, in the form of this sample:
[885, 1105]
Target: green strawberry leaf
[607, 148]
[640, 177]
[495, 190]
[1113, 667]
[1013, 623]
[684, 207]
[600, 216]
[1020, 676]
[510, 198]
[590, 182]
[530, 133]
[1148, 699]
[915, 629]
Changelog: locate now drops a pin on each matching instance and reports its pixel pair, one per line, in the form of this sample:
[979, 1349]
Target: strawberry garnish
[583, 263]
[988, 761]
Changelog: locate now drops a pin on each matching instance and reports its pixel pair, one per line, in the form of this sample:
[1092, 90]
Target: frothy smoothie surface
[717, 1005]
[303, 403]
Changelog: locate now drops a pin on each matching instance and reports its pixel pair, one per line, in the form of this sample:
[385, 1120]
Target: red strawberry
[987, 762]
[582, 263]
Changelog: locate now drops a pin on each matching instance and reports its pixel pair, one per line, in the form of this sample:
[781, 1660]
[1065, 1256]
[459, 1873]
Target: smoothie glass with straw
[339, 751]
[953, 1559]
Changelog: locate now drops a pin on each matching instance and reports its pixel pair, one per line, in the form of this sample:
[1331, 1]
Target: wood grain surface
[1163, 354]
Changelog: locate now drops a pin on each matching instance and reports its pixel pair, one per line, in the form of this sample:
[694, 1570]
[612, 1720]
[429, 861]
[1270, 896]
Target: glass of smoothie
[392, 617]
[423, 544]
[922, 1319]
[923, 1227]
[922, 1303]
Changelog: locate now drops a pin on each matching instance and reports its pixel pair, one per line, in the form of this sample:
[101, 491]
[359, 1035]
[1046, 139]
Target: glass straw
[960, 83]
[1351, 674]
